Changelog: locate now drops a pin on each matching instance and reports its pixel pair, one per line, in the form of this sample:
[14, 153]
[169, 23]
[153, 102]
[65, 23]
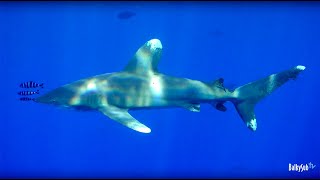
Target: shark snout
[44, 99]
[54, 97]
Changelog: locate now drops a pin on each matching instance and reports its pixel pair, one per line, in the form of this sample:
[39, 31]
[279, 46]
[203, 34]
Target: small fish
[26, 99]
[28, 93]
[126, 15]
[30, 84]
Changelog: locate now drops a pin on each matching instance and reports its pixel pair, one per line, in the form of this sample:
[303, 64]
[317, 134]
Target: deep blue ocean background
[60, 42]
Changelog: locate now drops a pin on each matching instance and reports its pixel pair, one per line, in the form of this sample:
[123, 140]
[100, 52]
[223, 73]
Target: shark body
[140, 85]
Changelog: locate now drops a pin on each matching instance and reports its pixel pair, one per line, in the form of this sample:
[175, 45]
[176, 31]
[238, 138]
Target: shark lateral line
[140, 85]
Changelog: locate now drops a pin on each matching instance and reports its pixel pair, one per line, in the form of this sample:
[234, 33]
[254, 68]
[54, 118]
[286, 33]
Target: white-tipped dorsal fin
[146, 58]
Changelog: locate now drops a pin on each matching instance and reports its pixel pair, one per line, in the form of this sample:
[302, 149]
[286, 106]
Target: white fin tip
[252, 124]
[143, 129]
[154, 44]
[300, 67]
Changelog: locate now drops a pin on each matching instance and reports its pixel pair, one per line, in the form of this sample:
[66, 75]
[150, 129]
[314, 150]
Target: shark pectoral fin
[122, 116]
[192, 107]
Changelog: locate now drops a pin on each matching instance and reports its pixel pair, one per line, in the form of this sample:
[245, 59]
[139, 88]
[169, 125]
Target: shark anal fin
[221, 107]
[192, 107]
[123, 117]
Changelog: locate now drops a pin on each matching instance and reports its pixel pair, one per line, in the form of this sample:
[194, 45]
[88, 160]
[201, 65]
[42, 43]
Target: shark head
[59, 96]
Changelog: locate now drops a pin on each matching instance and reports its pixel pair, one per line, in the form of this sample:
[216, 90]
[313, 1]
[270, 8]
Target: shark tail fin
[247, 96]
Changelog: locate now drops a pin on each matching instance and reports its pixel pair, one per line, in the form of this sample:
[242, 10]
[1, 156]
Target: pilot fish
[28, 93]
[31, 84]
[27, 99]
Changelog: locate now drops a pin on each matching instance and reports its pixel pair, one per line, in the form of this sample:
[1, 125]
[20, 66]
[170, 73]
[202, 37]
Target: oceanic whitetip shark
[140, 85]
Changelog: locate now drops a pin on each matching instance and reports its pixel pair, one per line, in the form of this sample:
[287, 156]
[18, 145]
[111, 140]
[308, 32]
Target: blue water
[58, 43]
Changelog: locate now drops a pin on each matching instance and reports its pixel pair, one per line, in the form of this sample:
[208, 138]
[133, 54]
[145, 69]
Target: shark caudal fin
[249, 95]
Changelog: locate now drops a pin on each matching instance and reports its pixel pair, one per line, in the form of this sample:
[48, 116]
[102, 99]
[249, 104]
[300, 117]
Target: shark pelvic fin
[123, 117]
[146, 59]
[192, 107]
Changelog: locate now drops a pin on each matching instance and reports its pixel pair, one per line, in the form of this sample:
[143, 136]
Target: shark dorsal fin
[146, 58]
[218, 83]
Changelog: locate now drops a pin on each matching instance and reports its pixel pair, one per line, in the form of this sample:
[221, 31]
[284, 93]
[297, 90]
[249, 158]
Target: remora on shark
[141, 85]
